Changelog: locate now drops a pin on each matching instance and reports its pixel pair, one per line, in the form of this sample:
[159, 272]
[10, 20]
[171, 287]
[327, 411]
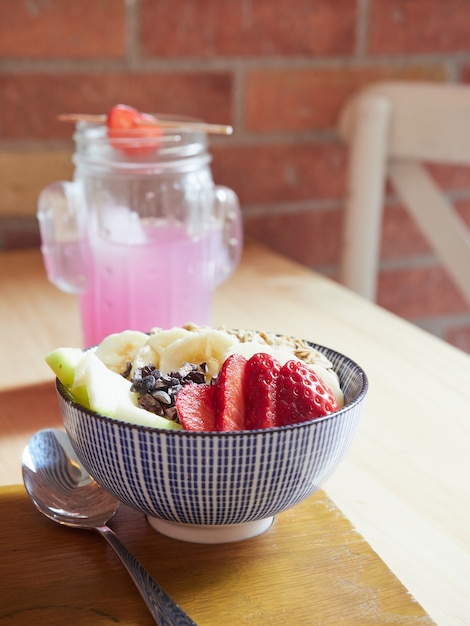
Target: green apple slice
[104, 387]
[79, 386]
[93, 385]
[110, 394]
[63, 362]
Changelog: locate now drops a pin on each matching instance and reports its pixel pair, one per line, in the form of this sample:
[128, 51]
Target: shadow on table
[25, 409]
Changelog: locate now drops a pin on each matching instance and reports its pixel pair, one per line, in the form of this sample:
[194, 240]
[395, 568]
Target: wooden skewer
[216, 129]
[81, 117]
[219, 129]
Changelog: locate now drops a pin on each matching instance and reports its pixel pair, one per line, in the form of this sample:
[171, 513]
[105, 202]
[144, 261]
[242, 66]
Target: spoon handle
[165, 610]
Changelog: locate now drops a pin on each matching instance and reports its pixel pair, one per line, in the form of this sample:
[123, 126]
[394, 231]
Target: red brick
[82, 29]
[459, 337]
[281, 173]
[419, 292]
[30, 103]
[464, 73]
[463, 208]
[419, 26]
[312, 98]
[311, 237]
[450, 177]
[401, 236]
[208, 28]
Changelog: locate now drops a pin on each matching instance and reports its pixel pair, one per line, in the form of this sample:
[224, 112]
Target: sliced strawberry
[126, 124]
[230, 413]
[195, 404]
[261, 373]
[301, 395]
[122, 117]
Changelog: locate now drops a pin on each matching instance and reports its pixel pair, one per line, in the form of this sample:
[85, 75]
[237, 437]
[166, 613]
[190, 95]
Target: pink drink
[165, 280]
[143, 237]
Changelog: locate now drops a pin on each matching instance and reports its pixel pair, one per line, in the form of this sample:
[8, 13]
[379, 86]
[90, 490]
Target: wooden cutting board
[310, 568]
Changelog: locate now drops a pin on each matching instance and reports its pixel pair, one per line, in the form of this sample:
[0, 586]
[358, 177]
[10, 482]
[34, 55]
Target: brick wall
[278, 70]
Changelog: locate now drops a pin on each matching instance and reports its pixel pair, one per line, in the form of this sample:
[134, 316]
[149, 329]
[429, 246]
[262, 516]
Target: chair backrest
[391, 127]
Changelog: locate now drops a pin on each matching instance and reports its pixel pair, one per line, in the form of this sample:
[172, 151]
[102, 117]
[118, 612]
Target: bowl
[216, 487]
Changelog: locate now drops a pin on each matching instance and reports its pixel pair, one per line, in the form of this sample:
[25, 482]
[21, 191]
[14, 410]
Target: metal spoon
[63, 491]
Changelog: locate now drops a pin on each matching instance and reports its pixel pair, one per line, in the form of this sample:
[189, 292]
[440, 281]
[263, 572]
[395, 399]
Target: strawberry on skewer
[151, 120]
[127, 134]
[131, 131]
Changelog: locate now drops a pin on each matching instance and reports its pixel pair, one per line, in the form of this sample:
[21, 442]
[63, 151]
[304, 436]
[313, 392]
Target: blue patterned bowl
[216, 487]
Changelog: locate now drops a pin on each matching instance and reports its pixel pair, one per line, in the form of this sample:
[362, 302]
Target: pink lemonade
[166, 280]
[142, 239]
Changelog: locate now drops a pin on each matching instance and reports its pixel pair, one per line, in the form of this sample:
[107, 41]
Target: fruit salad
[201, 379]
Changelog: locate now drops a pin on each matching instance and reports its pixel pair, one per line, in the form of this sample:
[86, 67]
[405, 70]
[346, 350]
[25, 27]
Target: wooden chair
[390, 128]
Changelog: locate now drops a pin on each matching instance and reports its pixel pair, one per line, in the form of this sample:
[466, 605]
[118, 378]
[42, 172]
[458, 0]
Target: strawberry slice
[301, 395]
[128, 132]
[230, 412]
[195, 404]
[261, 374]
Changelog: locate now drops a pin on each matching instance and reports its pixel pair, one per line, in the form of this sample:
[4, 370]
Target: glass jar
[142, 234]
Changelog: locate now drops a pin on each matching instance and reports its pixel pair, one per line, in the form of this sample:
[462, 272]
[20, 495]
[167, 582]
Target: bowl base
[199, 533]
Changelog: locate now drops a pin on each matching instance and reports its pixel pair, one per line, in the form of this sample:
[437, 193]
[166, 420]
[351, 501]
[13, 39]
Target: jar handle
[227, 208]
[63, 227]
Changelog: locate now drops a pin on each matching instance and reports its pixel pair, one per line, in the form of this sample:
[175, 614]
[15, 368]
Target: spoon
[63, 491]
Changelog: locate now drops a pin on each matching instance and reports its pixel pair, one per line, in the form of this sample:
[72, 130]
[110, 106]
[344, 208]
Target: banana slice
[156, 344]
[160, 341]
[209, 347]
[249, 348]
[144, 356]
[119, 349]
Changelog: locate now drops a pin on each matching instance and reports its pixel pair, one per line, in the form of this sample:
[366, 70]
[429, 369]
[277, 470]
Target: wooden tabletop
[335, 578]
[404, 485]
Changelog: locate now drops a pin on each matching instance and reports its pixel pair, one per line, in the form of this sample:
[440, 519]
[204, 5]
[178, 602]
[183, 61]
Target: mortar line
[362, 28]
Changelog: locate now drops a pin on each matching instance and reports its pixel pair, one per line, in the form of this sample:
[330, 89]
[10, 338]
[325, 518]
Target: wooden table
[404, 484]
